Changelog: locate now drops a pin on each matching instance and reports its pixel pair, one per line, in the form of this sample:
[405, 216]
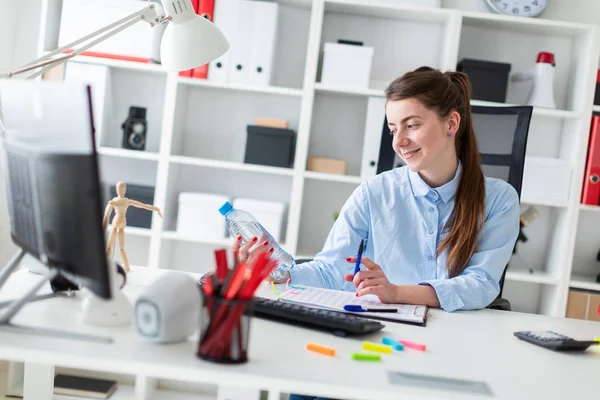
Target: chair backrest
[502, 139]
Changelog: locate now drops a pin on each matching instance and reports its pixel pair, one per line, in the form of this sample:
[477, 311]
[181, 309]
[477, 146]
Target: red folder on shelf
[205, 9]
[591, 183]
[196, 5]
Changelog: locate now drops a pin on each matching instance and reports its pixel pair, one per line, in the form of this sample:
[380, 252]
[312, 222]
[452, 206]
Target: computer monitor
[52, 179]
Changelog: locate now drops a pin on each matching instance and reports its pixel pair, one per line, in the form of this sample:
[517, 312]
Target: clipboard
[336, 299]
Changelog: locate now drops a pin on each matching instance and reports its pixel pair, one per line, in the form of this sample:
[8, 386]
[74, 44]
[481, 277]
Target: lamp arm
[147, 14]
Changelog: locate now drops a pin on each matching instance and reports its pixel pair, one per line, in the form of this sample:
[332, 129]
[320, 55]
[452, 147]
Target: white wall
[7, 32]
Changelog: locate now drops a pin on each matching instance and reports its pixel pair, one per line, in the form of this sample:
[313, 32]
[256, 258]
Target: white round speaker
[169, 309]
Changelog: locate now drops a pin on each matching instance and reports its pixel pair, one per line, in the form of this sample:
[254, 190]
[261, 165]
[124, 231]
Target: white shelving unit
[198, 130]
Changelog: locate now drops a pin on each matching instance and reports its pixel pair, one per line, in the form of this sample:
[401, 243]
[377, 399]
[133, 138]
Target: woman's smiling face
[420, 136]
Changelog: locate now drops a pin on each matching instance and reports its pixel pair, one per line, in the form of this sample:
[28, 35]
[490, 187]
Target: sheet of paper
[337, 299]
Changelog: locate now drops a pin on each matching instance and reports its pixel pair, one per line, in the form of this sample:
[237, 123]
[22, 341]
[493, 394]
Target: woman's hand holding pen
[251, 249]
[372, 281]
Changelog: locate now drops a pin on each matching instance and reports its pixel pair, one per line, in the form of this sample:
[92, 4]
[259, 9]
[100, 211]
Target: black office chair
[502, 138]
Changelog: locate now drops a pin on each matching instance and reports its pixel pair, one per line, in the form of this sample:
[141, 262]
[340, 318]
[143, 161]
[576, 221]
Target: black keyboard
[340, 323]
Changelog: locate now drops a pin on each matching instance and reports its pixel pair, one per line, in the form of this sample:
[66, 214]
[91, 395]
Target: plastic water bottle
[240, 222]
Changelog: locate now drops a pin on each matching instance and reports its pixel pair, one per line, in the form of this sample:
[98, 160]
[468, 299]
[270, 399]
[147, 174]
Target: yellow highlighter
[376, 347]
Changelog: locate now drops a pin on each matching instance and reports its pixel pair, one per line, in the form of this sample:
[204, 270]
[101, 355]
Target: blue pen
[359, 256]
[359, 308]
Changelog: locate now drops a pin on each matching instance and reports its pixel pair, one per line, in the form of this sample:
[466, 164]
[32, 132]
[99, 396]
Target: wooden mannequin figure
[119, 222]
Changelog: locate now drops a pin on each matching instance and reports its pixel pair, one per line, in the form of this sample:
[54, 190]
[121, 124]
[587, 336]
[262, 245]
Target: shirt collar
[446, 191]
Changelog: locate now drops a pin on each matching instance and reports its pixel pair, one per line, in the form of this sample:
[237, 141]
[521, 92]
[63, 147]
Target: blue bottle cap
[225, 208]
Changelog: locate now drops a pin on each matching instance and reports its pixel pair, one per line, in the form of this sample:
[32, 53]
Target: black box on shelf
[489, 79]
[597, 93]
[274, 147]
[137, 217]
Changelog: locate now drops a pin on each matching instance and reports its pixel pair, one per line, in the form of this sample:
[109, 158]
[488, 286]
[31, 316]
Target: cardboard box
[326, 165]
[583, 305]
[577, 305]
[271, 122]
[592, 310]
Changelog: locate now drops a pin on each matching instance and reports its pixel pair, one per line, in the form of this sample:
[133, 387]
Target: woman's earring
[449, 134]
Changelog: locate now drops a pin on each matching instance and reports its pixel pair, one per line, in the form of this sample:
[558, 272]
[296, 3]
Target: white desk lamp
[178, 53]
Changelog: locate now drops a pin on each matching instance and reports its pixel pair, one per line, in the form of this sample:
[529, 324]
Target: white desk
[475, 345]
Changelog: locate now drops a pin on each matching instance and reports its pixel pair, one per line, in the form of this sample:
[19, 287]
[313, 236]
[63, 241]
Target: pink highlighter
[412, 345]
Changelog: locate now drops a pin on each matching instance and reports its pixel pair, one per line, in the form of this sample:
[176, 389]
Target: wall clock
[522, 8]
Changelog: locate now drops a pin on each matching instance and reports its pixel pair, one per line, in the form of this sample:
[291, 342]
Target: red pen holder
[224, 330]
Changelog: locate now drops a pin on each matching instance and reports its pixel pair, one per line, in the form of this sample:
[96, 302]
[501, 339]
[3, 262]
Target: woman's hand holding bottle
[251, 249]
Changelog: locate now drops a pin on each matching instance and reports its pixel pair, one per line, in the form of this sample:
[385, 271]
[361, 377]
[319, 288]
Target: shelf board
[543, 203]
[388, 9]
[204, 162]
[114, 63]
[584, 282]
[174, 235]
[304, 4]
[134, 231]
[123, 392]
[532, 26]
[319, 87]
[537, 111]
[333, 177]
[535, 277]
[226, 242]
[585, 207]
[596, 109]
[240, 87]
[172, 395]
[124, 153]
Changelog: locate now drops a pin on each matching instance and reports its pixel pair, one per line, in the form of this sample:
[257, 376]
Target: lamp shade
[189, 40]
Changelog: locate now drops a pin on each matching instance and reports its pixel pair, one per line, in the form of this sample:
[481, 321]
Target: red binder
[196, 5]
[591, 184]
[205, 9]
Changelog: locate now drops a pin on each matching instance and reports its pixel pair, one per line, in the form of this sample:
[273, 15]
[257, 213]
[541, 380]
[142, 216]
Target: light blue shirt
[401, 219]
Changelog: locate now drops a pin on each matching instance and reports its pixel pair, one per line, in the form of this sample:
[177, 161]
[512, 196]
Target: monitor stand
[11, 310]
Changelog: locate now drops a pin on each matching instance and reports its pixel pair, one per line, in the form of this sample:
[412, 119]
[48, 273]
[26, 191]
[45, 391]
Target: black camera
[134, 129]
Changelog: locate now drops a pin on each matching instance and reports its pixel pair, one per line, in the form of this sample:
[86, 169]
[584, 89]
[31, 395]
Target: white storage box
[199, 216]
[82, 17]
[269, 214]
[546, 180]
[346, 65]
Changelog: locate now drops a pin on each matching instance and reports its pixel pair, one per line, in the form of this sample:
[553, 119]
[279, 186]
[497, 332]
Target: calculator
[554, 341]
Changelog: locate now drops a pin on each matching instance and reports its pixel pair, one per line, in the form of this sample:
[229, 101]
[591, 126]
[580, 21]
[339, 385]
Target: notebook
[84, 387]
[337, 299]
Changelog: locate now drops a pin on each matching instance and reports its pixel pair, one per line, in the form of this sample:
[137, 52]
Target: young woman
[437, 231]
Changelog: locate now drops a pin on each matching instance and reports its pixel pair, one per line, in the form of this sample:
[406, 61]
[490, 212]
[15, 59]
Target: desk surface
[476, 345]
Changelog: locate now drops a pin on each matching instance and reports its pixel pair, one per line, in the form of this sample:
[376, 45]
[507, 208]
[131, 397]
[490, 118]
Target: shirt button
[431, 231]
[431, 209]
[430, 258]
